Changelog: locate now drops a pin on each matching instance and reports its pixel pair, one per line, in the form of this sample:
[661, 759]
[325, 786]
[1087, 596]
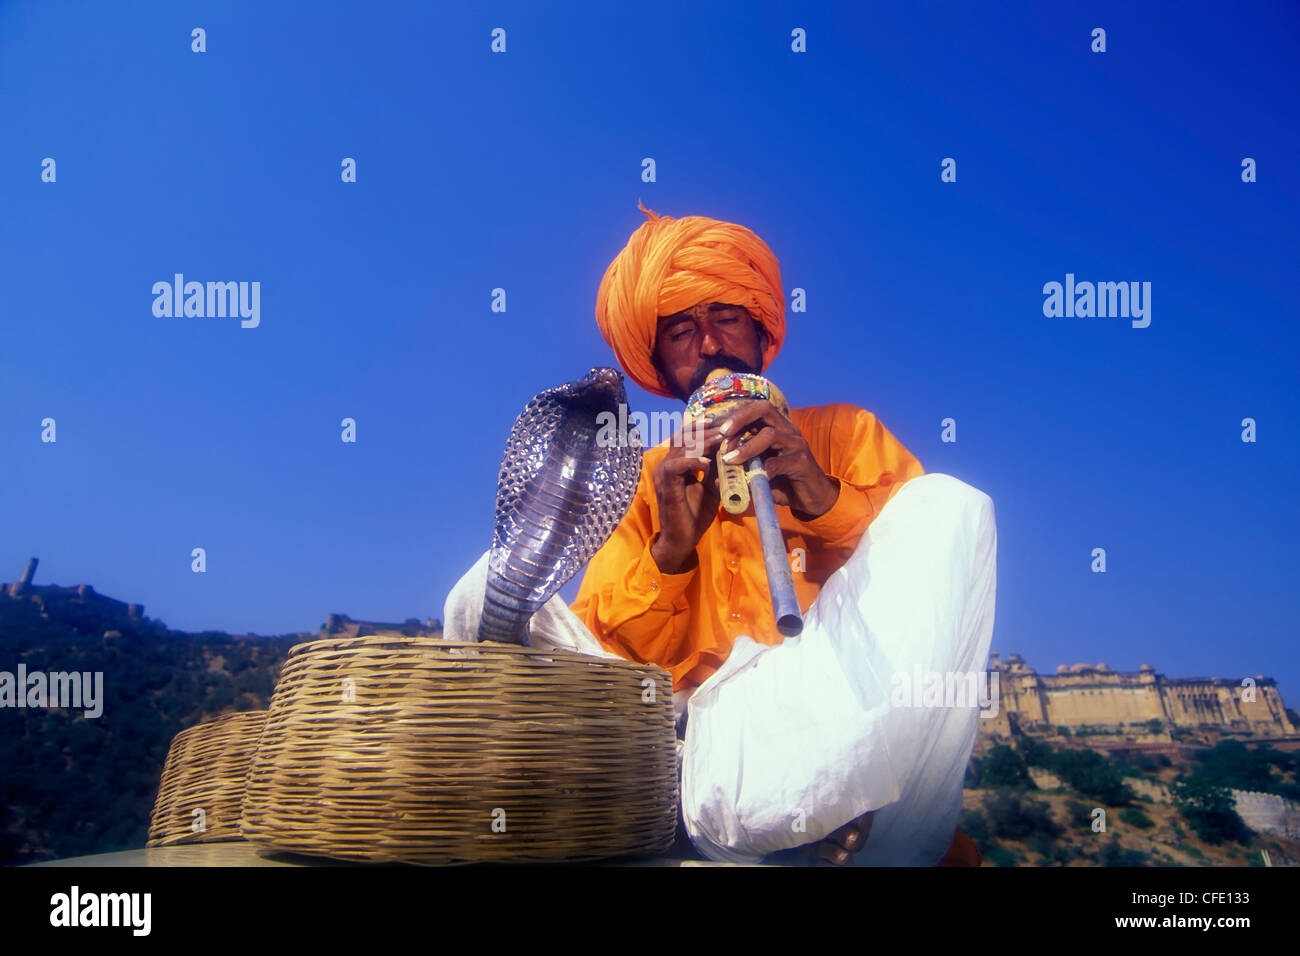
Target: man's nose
[708, 344]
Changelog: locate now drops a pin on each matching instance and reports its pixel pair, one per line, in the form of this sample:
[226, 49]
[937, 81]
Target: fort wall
[1095, 696]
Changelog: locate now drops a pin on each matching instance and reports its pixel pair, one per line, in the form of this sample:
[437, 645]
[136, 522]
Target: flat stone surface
[239, 853]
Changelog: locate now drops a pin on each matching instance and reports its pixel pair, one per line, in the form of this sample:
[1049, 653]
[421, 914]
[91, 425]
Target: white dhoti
[785, 744]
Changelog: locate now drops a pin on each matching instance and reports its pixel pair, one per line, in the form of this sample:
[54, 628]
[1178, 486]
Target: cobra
[560, 495]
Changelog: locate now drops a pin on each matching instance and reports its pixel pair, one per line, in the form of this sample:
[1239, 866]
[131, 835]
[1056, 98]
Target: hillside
[1034, 804]
[74, 784]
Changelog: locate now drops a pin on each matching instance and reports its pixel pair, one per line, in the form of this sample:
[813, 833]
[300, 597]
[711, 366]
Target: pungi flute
[739, 485]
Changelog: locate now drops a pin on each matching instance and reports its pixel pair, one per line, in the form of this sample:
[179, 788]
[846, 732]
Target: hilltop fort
[77, 604]
[1084, 699]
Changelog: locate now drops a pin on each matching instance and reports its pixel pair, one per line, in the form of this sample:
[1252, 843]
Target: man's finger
[695, 436]
[676, 467]
[747, 413]
[757, 445]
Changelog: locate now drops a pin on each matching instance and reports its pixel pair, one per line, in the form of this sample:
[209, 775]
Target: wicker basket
[203, 781]
[418, 750]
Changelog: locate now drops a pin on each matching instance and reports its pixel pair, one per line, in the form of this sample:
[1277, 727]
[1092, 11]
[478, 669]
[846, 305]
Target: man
[793, 742]
[688, 346]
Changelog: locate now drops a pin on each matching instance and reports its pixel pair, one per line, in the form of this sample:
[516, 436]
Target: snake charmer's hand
[688, 504]
[797, 480]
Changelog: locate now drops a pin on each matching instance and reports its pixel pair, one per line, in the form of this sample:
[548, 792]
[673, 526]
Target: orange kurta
[687, 623]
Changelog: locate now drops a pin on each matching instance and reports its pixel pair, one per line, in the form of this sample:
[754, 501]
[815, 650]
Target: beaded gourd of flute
[723, 391]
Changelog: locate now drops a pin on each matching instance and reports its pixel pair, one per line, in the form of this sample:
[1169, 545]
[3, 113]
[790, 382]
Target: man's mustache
[714, 362]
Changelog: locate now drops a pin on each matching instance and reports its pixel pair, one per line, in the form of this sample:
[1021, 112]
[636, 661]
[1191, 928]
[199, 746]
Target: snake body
[563, 487]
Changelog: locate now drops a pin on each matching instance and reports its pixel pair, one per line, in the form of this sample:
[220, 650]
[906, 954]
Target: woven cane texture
[418, 750]
[205, 770]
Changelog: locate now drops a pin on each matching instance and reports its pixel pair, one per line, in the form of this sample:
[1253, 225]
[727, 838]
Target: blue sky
[522, 170]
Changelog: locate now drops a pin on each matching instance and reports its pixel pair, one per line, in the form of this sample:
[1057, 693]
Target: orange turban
[670, 265]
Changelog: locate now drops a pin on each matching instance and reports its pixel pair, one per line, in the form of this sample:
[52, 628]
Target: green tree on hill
[1092, 775]
[1013, 816]
[1003, 767]
[1113, 854]
[1232, 765]
[1035, 753]
[1134, 816]
[1209, 809]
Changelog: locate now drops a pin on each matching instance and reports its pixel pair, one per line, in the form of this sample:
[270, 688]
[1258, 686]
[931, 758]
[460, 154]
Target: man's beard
[729, 362]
